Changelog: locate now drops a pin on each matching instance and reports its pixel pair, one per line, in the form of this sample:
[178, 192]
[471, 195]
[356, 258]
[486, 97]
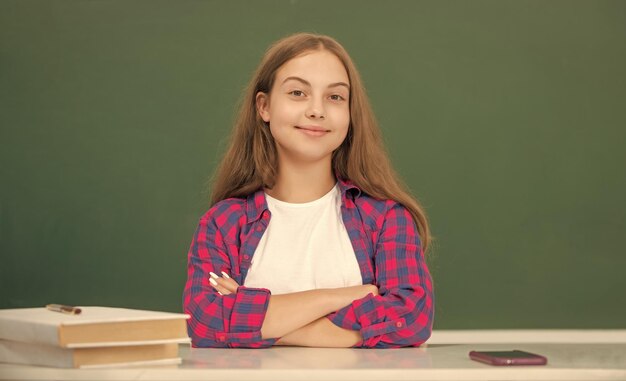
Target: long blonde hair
[251, 160]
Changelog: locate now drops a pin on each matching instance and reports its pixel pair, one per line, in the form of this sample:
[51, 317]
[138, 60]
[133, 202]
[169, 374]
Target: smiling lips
[313, 130]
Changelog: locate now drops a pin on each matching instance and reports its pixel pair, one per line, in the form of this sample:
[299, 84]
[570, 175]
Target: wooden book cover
[94, 327]
[46, 355]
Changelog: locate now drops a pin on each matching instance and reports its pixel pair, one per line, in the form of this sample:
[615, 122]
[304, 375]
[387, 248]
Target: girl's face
[308, 108]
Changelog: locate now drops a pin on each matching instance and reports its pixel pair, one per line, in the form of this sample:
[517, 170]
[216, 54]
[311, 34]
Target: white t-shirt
[306, 246]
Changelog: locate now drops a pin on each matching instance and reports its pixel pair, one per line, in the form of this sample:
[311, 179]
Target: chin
[310, 157]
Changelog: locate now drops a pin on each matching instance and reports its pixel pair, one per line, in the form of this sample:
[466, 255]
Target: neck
[302, 182]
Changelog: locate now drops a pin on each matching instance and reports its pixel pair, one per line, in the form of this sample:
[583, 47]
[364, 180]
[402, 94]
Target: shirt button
[259, 228]
[399, 324]
[221, 338]
[246, 257]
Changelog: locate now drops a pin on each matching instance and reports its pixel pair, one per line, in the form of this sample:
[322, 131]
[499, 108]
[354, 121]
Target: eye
[337, 97]
[297, 93]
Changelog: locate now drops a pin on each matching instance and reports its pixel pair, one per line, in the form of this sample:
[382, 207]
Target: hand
[371, 289]
[343, 296]
[224, 285]
[359, 292]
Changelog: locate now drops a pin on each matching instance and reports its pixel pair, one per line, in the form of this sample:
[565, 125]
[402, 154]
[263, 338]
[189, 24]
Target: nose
[315, 109]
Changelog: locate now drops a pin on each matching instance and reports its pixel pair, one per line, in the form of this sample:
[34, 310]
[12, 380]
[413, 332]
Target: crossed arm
[397, 311]
[299, 318]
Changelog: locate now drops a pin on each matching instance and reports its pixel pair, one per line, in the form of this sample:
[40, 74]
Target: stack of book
[95, 337]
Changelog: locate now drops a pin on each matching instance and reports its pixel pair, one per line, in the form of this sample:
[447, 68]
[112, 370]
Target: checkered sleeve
[232, 320]
[402, 315]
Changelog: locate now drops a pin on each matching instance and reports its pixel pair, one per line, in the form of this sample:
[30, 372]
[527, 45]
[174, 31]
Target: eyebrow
[309, 84]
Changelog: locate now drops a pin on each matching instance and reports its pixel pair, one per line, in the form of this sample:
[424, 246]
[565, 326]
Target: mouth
[312, 128]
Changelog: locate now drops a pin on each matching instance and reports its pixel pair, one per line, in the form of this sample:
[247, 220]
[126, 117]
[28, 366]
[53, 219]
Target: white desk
[566, 361]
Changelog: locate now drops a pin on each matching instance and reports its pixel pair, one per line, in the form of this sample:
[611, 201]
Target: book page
[88, 315]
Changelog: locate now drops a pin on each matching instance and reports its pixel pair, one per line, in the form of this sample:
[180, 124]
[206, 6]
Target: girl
[311, 239]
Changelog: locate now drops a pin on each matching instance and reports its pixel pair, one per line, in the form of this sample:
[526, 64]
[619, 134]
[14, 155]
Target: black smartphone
[514, 357]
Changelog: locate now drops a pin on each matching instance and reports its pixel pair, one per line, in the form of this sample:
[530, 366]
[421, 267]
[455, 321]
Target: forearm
[286, 313]
[399, 318]
[321, 333]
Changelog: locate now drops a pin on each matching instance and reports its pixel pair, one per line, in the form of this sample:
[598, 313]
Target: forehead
[317, 67]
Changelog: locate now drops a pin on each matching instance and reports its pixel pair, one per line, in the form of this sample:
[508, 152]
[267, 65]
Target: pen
[63, 309]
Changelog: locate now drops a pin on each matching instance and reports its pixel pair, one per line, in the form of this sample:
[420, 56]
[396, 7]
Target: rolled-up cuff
[244, 339]
[371, 317]
[246, 319]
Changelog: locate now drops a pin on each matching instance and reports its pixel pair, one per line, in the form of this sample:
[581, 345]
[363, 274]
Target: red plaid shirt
[388, 249]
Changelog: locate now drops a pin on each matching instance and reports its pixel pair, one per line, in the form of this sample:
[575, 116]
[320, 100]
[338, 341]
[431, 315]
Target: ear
[263, 106]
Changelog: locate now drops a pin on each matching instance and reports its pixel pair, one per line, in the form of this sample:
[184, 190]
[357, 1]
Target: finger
[226, 281]
[227, 284]
[227, 277]
[230, 282]
[218, 287]
[230, 285]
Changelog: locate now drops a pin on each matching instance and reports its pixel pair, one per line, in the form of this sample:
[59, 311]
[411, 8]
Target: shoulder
[387, 220]
[378, 212]
[227, 207]
[229, 215]
[374, 213]
[225, 214]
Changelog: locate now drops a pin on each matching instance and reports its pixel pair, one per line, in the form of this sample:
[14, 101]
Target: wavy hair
[251, 161]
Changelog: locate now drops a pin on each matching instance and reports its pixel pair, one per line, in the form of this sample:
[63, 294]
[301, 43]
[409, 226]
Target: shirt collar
[256, 203]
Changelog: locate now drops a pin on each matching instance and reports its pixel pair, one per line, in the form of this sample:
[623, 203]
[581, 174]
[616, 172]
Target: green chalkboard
[506, 118]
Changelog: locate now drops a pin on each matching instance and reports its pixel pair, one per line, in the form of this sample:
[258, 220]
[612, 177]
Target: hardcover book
[93, 327]
[97, 357]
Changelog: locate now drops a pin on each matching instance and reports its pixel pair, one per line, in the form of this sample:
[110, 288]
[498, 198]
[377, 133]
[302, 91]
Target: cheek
[344, 134]
[280, 113]
[343, 125]
[344, 119]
